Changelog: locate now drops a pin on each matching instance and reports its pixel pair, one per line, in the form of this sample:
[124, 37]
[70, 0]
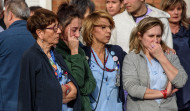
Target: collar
[40, 49]
[18, 23]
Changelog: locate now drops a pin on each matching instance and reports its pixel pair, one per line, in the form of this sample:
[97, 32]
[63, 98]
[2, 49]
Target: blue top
[64, 80]
[1, 29]
[158, 78]
[181, 42]
[13, 43]
[108, 100]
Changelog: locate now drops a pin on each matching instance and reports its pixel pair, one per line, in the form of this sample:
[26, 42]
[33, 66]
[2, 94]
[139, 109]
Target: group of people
[80, 59]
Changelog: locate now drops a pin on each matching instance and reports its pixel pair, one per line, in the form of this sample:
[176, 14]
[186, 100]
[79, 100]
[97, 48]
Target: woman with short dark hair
[46, 84]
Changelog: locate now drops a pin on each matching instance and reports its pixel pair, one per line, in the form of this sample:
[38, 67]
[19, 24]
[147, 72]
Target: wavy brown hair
[168, 4]
[40, 20]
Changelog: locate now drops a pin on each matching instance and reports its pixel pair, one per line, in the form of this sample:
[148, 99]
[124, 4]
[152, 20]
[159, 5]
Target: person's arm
[156, 94]
[167, 35]
[71, 95]
[156, 51]
[26, 93]
[80, 69]
[82, 74]
[131, 79]
[174, 71]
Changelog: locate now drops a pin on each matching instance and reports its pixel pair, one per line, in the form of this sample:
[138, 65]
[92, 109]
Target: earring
[42, 40]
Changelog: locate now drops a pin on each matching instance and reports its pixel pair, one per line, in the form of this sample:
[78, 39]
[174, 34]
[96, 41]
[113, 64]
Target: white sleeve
[113, 39]
[167, 35]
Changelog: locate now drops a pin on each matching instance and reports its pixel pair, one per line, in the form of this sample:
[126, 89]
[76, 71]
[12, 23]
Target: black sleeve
[26, 94]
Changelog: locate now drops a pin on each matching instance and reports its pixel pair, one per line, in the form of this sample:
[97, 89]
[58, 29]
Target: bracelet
[67, 89]
[164, 92]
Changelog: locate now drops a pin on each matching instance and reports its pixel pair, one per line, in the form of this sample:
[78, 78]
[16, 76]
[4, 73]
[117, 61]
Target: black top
[39, 89]
[2, 24]
[181, 41]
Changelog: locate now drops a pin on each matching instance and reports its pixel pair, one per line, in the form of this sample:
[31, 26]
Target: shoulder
[114, 48]
[121, 16]
[132, 56]
[3, 35]
[81, 51]
[86, 49]
[171, 57]
[32, 54]
[158, 13]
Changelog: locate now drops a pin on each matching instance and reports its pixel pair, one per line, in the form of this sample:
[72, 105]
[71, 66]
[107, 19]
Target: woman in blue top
[105, 62]
[181, 39]
[45, 81]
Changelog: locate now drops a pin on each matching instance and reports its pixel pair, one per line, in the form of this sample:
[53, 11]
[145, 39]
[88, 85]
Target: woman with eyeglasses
[46, 84]
[74, 56]
[105, 61]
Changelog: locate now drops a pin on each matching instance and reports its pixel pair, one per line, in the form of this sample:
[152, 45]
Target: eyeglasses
[104, 27]
[55, 27]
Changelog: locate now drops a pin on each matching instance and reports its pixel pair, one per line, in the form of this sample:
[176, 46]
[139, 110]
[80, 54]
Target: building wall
[43, 3]
[188, 7]
[100, 4]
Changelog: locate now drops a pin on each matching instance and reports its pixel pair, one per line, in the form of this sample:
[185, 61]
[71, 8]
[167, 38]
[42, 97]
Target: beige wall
[43, 3]
[188, 7]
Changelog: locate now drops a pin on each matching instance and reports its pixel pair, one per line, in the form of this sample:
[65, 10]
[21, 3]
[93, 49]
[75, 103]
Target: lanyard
[53, 63]
[105, 61]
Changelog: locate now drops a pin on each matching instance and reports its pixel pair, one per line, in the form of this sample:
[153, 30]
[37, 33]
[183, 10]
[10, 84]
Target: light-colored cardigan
[136, 80]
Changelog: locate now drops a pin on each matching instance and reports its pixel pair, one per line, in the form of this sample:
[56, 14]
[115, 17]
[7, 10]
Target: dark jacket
[120, 54]
[81, 72]
[2, 24]
[181, 42]
[13, 42]
[39, 88]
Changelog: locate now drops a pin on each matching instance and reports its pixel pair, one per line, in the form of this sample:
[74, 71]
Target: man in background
[135, 11]
[13, 43]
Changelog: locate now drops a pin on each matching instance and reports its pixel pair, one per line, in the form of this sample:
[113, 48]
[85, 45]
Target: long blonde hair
[143, 26]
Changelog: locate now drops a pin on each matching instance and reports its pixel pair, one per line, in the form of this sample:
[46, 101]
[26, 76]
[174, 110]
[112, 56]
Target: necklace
[105, 61]
[53, 63]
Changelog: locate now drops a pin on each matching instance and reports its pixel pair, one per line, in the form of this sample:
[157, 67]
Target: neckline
[105, 60]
